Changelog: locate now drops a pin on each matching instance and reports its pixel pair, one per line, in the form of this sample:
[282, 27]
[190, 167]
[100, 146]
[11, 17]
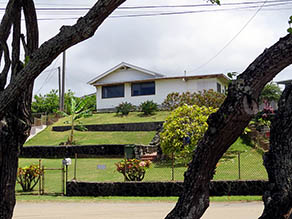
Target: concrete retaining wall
[142, 126]
[112, 150]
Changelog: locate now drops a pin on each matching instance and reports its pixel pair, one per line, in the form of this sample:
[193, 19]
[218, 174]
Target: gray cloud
[168, 44]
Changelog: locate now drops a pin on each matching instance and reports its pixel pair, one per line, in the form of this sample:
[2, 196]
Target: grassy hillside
[251, 166]
[112, 118]
[48, 137]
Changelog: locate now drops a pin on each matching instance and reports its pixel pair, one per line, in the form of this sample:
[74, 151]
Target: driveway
[127, 210]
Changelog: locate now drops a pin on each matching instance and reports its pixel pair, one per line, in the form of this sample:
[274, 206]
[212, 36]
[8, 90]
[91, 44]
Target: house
[133, 84]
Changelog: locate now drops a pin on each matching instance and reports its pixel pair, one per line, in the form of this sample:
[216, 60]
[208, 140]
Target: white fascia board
[123, 64]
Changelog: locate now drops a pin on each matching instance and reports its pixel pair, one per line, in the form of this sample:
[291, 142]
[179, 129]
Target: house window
[219, 89]
[146, 88]
[113, 91]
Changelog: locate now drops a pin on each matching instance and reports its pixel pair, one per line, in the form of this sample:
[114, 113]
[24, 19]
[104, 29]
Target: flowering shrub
[133, 169]
[28, 177]
[182, 130]
[207, 98]
[263, 118]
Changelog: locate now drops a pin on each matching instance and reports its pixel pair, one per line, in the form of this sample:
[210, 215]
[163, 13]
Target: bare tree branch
[31, 26]
[16, 40]
[5, 27]
[31, 45]
[226, 125]
[4, 73]
[48, 51]
[6, 23]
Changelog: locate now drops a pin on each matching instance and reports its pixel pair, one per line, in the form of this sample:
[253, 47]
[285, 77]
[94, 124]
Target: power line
[158, 6]
[191, 12]
[233, 38]
[49, 76]
[265, 7]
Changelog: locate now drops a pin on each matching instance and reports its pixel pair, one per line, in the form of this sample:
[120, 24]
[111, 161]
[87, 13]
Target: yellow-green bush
[182, 130]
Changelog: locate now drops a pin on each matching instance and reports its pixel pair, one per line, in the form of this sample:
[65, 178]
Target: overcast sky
[224, 39]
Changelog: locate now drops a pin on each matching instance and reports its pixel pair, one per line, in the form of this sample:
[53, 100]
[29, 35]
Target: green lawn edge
[51, 198]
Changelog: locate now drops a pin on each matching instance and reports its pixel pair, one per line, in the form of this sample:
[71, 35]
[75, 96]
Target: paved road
[128, 210]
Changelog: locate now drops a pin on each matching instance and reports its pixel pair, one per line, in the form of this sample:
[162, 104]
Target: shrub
[125, 108]
[207, 98]
[133, 169]
[28, 177]
[182, 130]
[148, 107]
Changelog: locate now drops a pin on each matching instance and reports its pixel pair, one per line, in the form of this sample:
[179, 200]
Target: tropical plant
[271, 92]
[48, 103]
[124, 108]
[75, 114]
[133, 169]
[148, 107]
[182, 130]
[28, 177]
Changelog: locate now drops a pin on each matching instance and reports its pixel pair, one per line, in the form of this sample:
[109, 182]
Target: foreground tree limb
[48, 51]
[278, 162]
[226, 125]
[15, 124]
[15, 99]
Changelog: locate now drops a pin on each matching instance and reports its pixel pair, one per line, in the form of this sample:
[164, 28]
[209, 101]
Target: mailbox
[67, 161]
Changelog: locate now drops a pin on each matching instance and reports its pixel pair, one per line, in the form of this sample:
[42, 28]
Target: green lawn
[53, 198]
[251, 169]
[49, 137]
[112, 118]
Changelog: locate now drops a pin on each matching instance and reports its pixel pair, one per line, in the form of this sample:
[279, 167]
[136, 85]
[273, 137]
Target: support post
[239, 173]
[75, 168]
[40, 177]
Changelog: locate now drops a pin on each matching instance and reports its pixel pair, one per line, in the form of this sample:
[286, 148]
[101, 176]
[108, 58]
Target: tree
[48, 103]
[271, 92]
[182, 130]
[16, 95]
[278, 197]
[226, 125]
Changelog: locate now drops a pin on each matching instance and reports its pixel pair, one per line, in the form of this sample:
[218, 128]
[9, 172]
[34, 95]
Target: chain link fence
[233, 166]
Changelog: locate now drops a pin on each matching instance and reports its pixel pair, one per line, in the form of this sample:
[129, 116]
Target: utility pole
[63, 83]
[60, 88]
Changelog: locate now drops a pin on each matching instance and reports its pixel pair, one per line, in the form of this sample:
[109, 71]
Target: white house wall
[162, 89]
[124, 75]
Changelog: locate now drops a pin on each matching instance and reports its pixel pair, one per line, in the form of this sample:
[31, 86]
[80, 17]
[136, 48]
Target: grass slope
[48, 137]
[113, 118]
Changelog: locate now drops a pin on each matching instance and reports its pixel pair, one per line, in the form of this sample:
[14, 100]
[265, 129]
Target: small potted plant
[133, 169]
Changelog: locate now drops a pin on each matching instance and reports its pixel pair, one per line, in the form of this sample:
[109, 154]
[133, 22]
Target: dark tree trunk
[226, 125]
[15, 99]
[15, 124]
[278, 162]
[12, 136]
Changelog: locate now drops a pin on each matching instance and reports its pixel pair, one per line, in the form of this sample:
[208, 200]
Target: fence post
[43, 180]
[239, 173]
[66, 180]
[172, 167]
[75, 167]
[63, 179]
[40, 177]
